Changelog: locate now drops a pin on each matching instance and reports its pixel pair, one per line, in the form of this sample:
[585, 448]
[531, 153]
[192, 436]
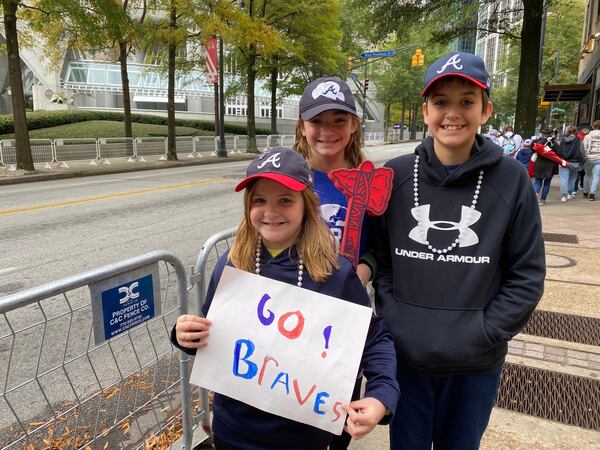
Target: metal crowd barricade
[58, 389]
[205, 144]
[75, 149]
[122, 147]
[42, 151]
[210, 252]
[186, 144]
[240, 142]
[147, 146]
[261, 142]
[275, 140]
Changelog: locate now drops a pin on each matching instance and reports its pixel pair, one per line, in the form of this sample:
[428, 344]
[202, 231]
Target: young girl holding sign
[282, 236]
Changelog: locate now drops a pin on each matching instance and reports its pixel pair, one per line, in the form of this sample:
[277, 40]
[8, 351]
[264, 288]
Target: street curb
[45, 176]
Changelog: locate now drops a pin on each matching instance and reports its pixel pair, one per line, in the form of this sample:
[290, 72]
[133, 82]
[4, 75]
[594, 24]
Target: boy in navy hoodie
[461, 263]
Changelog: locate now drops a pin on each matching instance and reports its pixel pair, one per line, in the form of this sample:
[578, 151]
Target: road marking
[10, 212]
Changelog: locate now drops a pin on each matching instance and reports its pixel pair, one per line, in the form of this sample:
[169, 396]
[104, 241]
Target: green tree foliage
[457, 16]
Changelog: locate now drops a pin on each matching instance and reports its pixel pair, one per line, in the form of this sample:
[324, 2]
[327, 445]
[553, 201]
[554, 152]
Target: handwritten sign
[283, 349]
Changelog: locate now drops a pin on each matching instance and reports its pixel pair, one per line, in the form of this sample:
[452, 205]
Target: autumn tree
[94, 27]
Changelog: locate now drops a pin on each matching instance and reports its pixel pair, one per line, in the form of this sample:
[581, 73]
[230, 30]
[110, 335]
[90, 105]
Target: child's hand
[363, 415]
[192, 331]
[364, 273]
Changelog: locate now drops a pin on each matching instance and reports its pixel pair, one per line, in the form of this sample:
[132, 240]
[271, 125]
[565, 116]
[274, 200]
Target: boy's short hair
[458, 64]
[484, 94]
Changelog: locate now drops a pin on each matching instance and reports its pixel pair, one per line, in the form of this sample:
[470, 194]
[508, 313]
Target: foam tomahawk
[367, 188]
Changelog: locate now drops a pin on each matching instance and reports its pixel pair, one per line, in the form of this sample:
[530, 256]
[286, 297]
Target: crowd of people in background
[573, 155]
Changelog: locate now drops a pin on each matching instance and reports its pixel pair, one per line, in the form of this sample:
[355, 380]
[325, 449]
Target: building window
[265, 110]
[236, 107]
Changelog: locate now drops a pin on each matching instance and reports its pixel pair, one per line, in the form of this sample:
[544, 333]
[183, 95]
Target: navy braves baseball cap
[281, 164]
[458, 64]
[324, 94]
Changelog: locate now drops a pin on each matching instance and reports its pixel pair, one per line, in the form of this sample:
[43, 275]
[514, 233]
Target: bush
[46, 119]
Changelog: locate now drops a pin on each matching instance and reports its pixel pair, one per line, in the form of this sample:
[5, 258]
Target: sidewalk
[572, 287]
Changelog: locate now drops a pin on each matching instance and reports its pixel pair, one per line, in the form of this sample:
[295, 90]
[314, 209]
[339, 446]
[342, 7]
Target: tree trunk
[386, 122]
[171, 146]
[402, 121]
[250, 112]
[24, 158]
[527, 92]
[274, 74]
[413, 122]
[126, 96]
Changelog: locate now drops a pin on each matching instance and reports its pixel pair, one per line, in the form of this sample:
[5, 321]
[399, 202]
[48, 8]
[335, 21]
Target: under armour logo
[466, 236]
[129, 292]
[329, 89]
[453, 61]
[273, 160]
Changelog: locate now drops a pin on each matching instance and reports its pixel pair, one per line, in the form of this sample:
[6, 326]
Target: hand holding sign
[191, 331]
[367, 189]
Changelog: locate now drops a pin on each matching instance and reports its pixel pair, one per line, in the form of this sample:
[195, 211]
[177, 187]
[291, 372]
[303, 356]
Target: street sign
[378, 54]
[354, 75]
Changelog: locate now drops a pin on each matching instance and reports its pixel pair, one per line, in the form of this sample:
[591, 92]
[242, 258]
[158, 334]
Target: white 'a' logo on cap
[329, 89]
[453, 61]
[273, 160]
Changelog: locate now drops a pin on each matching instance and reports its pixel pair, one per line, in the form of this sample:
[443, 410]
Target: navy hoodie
[249, 428]
[454, 312]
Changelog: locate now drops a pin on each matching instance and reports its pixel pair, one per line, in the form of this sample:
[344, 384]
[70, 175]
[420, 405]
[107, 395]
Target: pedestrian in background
[571, 150]
[546, 163]
[591, 144]
[525, 153]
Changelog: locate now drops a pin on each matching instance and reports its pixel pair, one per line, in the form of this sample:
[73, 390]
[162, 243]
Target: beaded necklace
[423, 230]
[257, 261]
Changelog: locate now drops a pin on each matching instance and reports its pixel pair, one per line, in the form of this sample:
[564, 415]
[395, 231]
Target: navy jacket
[454, 312]
[249, 428]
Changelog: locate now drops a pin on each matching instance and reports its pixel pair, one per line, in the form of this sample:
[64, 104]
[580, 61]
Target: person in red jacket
[545, 162]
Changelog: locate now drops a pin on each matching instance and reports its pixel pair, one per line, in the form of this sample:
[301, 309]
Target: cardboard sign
[283, 349]
[125, 301]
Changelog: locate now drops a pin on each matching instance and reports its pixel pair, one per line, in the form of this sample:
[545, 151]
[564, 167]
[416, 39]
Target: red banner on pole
[211, 67]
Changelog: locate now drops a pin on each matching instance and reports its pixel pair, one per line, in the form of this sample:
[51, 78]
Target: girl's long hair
[353, 154]
[315, 244]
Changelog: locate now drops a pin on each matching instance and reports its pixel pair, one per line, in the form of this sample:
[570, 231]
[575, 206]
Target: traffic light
[543, 103]
[350, 63]
[418, 59]
[366, 84]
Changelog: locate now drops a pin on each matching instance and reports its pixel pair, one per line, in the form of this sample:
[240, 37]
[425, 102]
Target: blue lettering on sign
[127, 305]
[265, 319]
[237, 351]
[286, 381]
[319, 400]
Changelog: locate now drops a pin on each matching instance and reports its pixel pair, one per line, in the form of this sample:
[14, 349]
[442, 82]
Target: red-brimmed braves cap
[458, 64]
[281, 164]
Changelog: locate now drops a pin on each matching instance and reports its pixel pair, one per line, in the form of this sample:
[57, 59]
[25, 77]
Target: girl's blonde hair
[353, 153]
[316, 244]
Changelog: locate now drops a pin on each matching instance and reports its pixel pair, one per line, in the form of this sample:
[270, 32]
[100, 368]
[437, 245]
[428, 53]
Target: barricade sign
[283, 349]
[124, 301]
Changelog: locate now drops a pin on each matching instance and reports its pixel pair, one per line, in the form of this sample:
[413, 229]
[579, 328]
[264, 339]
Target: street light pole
[222, 150]
[364, 112]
